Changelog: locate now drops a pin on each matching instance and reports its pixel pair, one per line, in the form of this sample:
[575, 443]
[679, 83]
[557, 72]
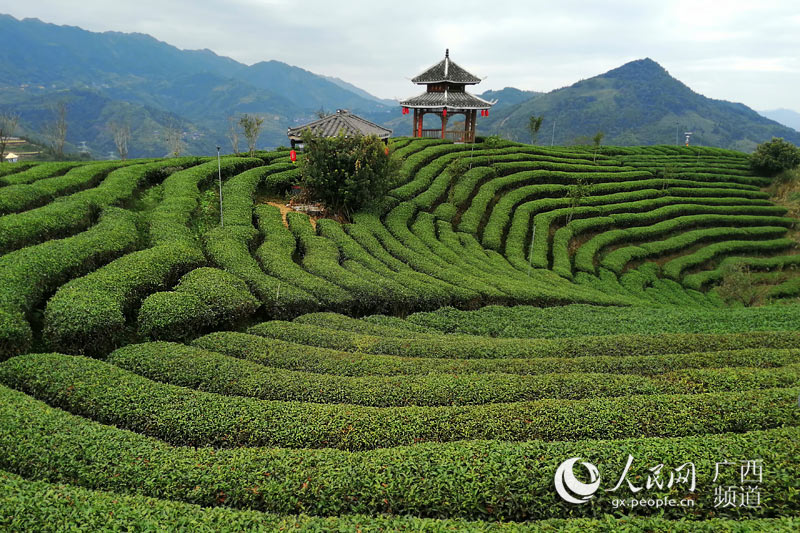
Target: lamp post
[219, 173]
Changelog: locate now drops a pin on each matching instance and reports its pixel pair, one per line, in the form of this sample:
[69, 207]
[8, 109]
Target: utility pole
[553, 137]
[219, 173]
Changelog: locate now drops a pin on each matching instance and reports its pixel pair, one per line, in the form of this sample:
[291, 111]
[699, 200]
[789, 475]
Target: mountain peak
[637, 69]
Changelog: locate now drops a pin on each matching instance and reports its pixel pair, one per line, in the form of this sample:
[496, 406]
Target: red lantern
[444, 112]
[386, 151]
[293, 156]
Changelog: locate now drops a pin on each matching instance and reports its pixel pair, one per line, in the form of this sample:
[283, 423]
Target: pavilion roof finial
[446, 52]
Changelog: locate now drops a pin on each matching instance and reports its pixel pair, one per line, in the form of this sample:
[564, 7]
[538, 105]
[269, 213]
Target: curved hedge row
[776, 263]
[29, 274]
[79, 210]
[675, 267]
[291, 356]
[169, 220]
[586, 254]
[20, 197]
[91, 315]
[37, 506]
[275, 256]
[199, 369]
[576, 320]
[635, 212]
[204, 298]
[483, 480]
[36, 172]
[465, 346]
[238, 192]
[619, 258]
[321, 257]
[187, 417]
[229, 248]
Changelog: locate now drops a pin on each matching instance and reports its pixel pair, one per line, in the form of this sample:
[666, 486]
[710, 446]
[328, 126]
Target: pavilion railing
[453, 135]
[435, 134]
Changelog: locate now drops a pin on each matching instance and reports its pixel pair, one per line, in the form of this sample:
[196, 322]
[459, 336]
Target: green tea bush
[29, 274]
[20, 197]
[92, 315]
[460, 479]
[204, 298]
[187, 417]
[283, 354]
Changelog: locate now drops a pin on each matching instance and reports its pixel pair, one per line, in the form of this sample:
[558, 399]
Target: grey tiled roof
[446, 70]
[452, 100]
[342, 120]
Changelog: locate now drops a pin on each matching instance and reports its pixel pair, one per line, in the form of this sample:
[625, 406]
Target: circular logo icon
[570, 488]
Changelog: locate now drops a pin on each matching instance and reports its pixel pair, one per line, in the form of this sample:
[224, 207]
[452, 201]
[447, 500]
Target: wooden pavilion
[445, 96]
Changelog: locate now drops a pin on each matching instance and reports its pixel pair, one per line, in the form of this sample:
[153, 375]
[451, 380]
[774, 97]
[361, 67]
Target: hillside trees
[775, 156]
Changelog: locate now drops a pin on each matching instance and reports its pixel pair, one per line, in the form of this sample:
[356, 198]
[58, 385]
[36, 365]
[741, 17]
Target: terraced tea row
[307, 400]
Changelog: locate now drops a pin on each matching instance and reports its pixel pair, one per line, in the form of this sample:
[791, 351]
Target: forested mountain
[637, 103]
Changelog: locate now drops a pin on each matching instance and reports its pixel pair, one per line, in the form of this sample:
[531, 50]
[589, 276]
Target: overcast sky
[743, 51]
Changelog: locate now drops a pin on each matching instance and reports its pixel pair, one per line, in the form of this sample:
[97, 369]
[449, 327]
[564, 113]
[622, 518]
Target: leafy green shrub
[774, 156]
[345, 173]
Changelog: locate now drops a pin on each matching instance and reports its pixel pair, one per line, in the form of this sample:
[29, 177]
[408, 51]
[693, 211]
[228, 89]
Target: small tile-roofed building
[445, 96]
[11, 157]
[331, 125]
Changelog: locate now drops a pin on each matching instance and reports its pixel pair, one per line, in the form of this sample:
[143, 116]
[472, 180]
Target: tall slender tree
[121, 131]
[173, 138]
[534, 123]
[233, 134]
[251, 125]
[8, 125]
[56, 131]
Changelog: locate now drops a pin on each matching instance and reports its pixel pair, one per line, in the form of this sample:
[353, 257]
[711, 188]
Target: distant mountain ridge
[198, 88]
[150, 84]
[787, 117]
[637, 103]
